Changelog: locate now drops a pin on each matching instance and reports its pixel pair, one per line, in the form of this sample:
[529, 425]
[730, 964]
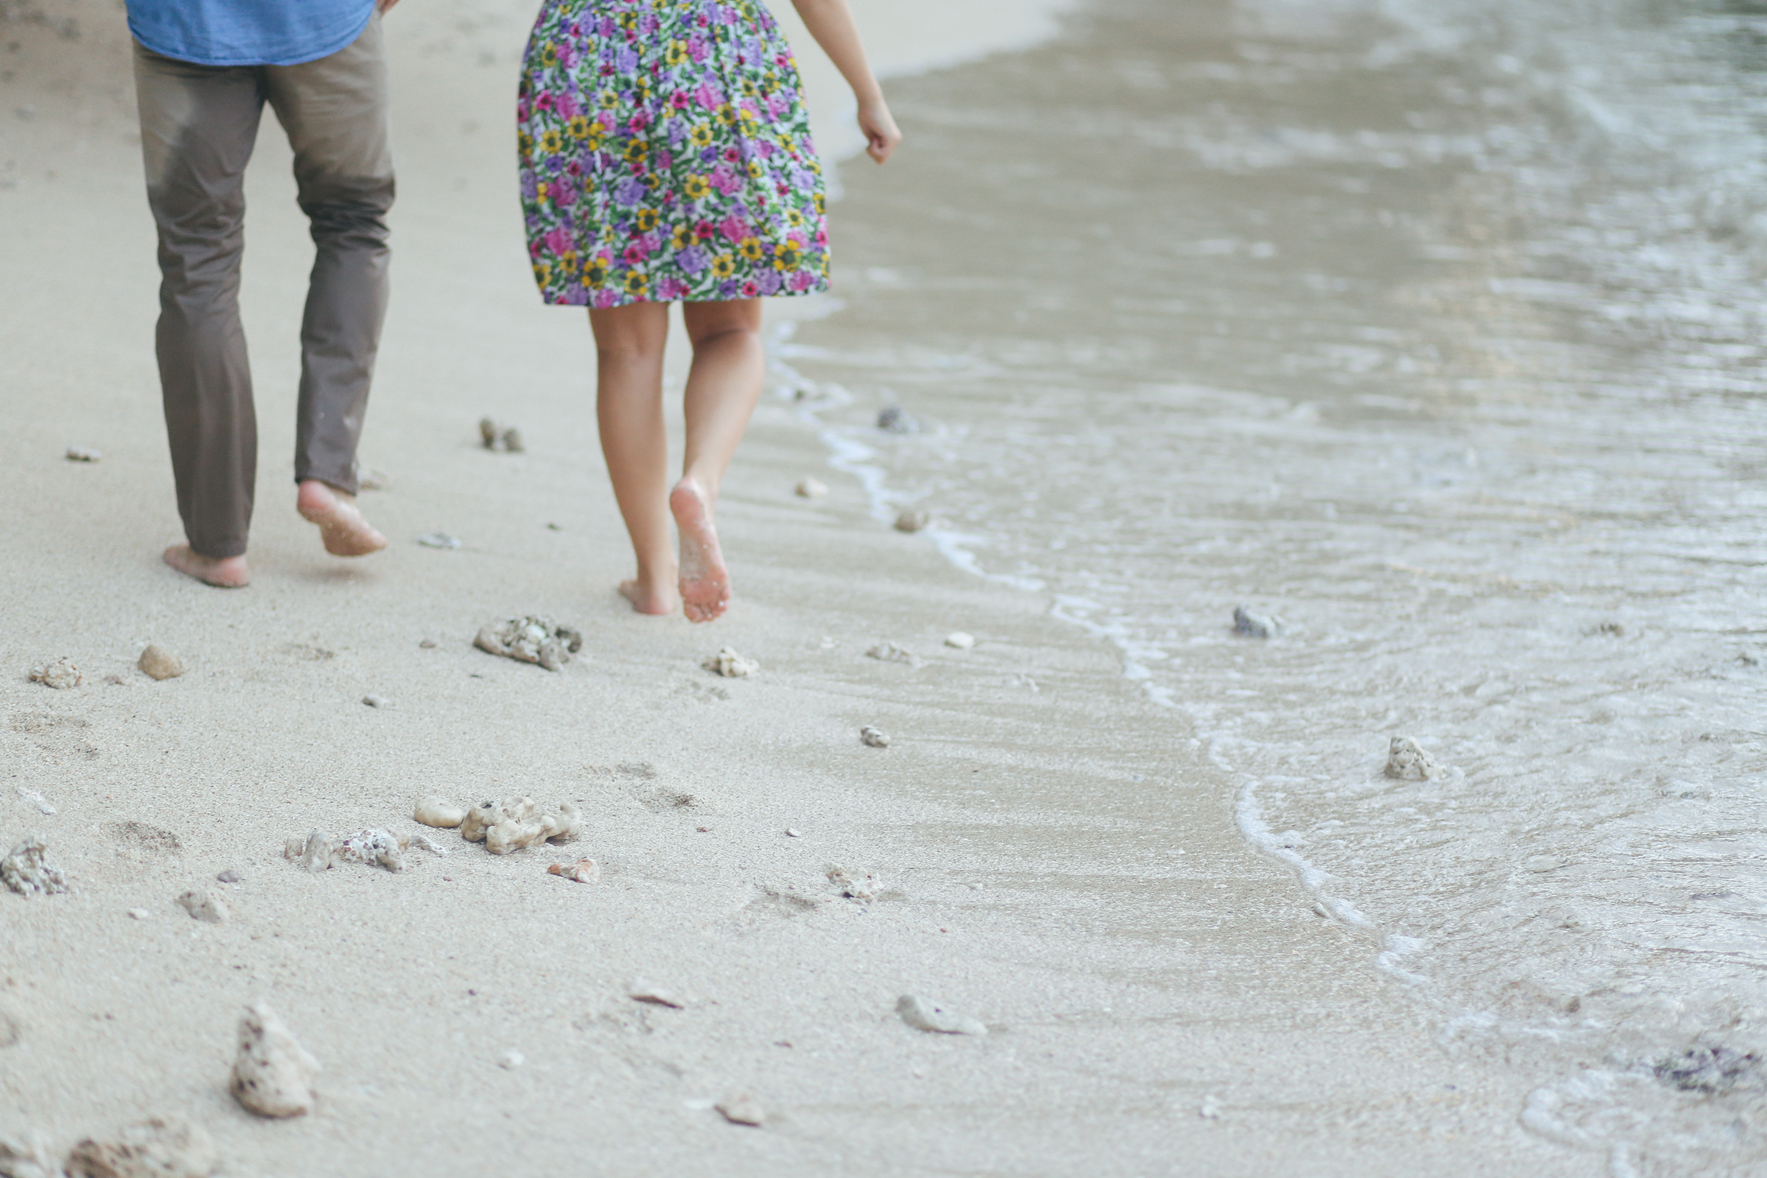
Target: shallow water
[1435, 329]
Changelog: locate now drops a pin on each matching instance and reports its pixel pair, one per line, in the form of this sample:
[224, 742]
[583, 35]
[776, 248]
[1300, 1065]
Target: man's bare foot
[705, 582]
[647, 600]
[228, 572]
[341, 525]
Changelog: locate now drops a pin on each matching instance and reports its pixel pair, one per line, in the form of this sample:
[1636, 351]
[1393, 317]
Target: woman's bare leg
[722, 388]
[629, 409]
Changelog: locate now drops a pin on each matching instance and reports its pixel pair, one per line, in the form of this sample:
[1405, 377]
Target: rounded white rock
[434, 811]
[273, 1074]
[960, 640]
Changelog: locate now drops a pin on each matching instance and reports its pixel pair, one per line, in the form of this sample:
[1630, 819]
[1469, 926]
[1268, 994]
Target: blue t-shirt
[248, 32]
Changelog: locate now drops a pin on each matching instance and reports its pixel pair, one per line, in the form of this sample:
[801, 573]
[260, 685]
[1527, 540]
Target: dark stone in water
[897, 420]
[1709, 1070]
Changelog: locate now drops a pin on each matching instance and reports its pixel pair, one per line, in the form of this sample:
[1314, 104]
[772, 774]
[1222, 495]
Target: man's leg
[198, 126]
[335, 113]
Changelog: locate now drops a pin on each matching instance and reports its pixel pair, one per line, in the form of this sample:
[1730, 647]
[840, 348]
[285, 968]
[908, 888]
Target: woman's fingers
[881, 135]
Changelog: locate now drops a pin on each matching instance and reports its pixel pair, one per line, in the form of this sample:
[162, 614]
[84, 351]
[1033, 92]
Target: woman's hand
[881, 135]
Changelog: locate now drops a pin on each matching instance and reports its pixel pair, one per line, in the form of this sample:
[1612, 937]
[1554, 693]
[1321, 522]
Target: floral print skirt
[666, 154]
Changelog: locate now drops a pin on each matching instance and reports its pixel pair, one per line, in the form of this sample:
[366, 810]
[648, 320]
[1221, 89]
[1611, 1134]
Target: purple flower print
[769, 282]
[626, 60]
[628, 192]
[690, 260]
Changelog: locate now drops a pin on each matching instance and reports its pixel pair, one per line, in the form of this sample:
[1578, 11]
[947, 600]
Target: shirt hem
[241, 58]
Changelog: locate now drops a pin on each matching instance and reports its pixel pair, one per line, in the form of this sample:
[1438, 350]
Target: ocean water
[1435, 329]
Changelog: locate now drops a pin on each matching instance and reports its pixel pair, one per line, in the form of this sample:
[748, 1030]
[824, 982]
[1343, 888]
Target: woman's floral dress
[666, 154]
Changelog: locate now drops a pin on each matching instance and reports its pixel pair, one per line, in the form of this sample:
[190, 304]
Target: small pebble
[809, 488]
[427, 644]
[927, 1016]
[960, 640]
[139, 913]
[730, 664]
[512, 440]
[792, 832]
[1209, 1109]
[1255, 625]
[582, 871]
[228, 876]
[643, 991]
[439, 812]
[555, 527]
[742, 1109]
[1406, 761]
[374, 480]
[511, 1059]
[157, 662]
[913, 521]
[438, 540]
[897, 420]
[61, 674]
[36, 799]
[83, 454]
[873, 737]
[376, 701]
[889, 652]
[488, 433]
[203, 906]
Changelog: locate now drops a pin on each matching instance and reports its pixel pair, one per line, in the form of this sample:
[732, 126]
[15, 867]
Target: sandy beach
[1052, 853]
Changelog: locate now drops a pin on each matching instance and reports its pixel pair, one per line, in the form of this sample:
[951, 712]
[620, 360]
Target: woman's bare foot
[705, 582]
[228, 572]
[648, 599]
[341, 525]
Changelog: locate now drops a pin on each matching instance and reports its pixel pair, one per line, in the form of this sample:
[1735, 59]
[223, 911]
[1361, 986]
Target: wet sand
[1060, 860]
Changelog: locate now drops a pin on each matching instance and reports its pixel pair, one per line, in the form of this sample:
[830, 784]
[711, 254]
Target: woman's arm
[831, 23]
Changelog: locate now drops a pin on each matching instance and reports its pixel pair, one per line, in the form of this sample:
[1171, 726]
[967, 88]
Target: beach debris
[203, 906]
[532, 638]
[373, 847]
[929, 1016]
[1209, 1109]
[741, 1108]
[493, 436]
[428, 644]
[377, 701]
[273, 1074]
[164, 1147]
[434, 811]
[514, 823]
[511, 1059]
[1610, 630]
[960, 640]
[873, 737]
[582, 871]
[374, 480]
[157, 662]
[139, 913]
[792, 832]
[1255, 625]
[83, 454]
[643, 991]
[730, 664]
[912, 521]
[897, 420]
[227, 876]
[1709, 1070]
[60, 674]
[438, 540]
[1406, 761]
[28, 870]
[852, 884]
[27, 1157]
[810, 488]
[889, 652]
[36, 799]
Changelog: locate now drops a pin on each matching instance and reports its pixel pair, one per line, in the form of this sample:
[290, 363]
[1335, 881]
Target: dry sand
[1056, 861]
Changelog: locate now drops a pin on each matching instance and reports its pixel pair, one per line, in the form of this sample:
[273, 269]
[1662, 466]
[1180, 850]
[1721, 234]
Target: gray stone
[159, 663]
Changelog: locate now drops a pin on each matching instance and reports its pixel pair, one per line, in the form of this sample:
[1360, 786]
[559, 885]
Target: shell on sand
[532, 638]
[730, 664]
[28, 870]
[273, 1074]
[810, 488]
[582, 871]
[959, 640]
[205, 906]
[1255, 625]
[742, 1108]
[1406, 761]
[913, 521]
[929, 1016]
[159, 663]
[434, 811]
[514, 823]
[165, 1147]
[60, 674]
[873, 737]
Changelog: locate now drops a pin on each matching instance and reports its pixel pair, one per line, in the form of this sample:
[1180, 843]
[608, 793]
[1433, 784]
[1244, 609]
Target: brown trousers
[198, 127]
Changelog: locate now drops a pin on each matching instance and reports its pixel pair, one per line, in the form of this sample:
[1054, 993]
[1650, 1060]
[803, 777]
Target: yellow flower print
[549, 55]
[677, 52]
[819, 202]
[635, 283]
[542, 273]
[724, 266]
[636, 150]
[697, 187]
[794, 218]
[525, 142]
[755, 170]
[727, 114]
[551, 143]
[681, 238]
[750, 248]
[540, 189]
[646, 219]
[579, 127]
[701, 135]
[787, 256]
[595, 271]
